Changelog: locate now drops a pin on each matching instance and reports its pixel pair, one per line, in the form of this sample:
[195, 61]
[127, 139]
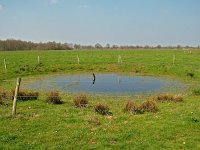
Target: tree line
[13, 45]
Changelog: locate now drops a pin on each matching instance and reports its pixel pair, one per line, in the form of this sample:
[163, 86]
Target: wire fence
[138, 60]
[176, 58]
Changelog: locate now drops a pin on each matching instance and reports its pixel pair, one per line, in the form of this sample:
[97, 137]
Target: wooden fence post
[78, 59]
[15, 96]
[5, 65]
[174, 58]
[38, 60]
[119, 59]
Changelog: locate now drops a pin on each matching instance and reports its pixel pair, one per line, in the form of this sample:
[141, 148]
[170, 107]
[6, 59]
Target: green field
[39, 125]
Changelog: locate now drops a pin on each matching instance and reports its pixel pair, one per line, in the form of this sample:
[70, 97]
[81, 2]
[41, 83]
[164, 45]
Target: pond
[106, 83]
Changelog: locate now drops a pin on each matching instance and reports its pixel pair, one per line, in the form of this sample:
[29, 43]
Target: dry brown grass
[54, 98]
[81, 101]
[132, 107]
[102, 109]
[149, 106]
[26, 95]
[168, 97]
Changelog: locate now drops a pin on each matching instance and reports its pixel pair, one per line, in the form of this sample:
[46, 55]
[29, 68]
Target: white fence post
[38, 59]
[174, 58]
[78, 59]
[5, 65]
[119, 59]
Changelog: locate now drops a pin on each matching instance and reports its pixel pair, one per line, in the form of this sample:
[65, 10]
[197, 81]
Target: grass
[196, 91]
[81, 101]
[42, 126]
[146, 106]
[168, 98]
[26, 95]
[152, 62]
[38, 125]
[54, 98]
[102, 109]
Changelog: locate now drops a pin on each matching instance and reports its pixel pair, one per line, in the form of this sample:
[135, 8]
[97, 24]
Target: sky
[121, 22]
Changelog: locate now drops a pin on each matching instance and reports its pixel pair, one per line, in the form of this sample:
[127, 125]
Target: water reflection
[106, 83]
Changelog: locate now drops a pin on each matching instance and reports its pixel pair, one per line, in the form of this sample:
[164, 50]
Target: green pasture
[39, 125]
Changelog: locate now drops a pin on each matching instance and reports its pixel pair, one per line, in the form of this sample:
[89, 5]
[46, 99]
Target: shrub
[26, 95]
[132, 107]
[149, 106]
[102, 109]
[168, 97]
[163, 97]
[178, 98]
[81, 101]
[54, 98]
[196, 91]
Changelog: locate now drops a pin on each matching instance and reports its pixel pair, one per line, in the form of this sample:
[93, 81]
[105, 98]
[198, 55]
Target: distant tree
[146, 46]
[12, 45]
[178, 46]
[107, 46]
[77, 46]
[115, 46]
[98, 46]
[158, 46]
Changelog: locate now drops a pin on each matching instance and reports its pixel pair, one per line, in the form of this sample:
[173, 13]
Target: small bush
[81, 101]
[149, 106]
[196, 91]
[132, 107]
[163, 97]
[102, 109]
[168, 97]
[54, 98]
[26, 95]
[178, 98]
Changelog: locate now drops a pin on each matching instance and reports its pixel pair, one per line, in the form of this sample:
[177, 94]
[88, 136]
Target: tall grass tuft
[132, 108]
[26, 95]
[81, 101]
[54, 98]
[102, 109]
[149, 106]
[168, 97]
[178, 98]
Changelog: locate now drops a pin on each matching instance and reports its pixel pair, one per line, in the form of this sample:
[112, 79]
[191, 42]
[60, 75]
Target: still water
[106, 83]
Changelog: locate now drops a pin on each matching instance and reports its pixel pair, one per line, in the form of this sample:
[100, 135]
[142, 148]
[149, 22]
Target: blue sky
[122, 22]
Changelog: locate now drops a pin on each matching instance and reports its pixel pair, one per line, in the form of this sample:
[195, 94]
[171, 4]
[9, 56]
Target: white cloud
[55, 1]
[1, 7]
[84, 6]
